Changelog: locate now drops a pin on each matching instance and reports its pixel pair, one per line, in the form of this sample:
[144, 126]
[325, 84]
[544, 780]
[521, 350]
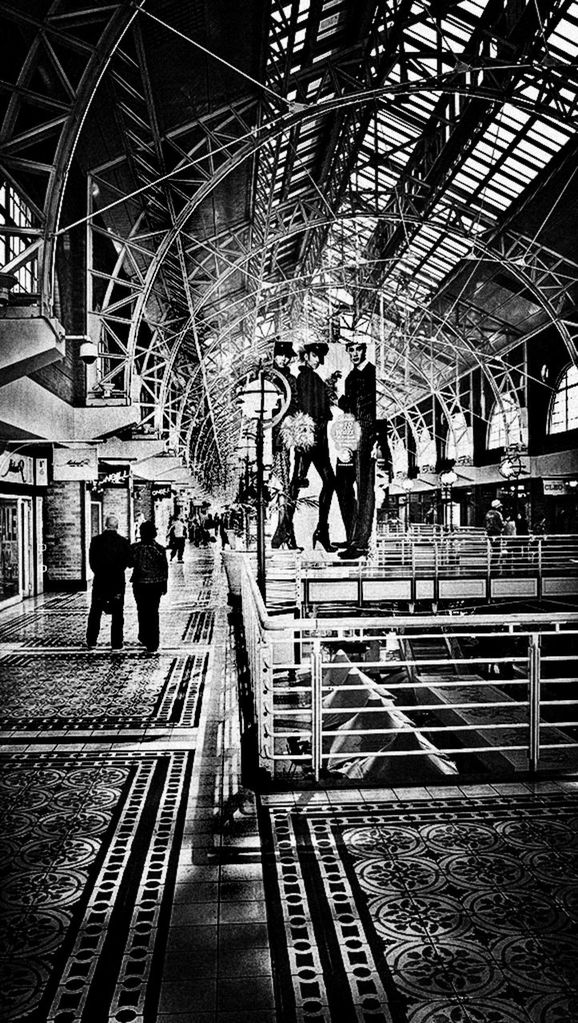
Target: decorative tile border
[429, 911]
[91, 845]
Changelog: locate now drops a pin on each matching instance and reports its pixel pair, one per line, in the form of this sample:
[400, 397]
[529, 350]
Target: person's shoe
[352, 553]
[90, 646]
[321, 536]
[341, 544]
[116, 649]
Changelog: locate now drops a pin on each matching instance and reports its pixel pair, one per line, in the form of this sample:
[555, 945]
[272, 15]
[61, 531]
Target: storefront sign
[112, 474]
[161, 491]
[554, 488]
[74, 464]
[16, 468]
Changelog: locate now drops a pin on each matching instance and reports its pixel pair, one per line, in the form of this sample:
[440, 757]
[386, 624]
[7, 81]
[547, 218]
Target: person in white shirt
[176, 538]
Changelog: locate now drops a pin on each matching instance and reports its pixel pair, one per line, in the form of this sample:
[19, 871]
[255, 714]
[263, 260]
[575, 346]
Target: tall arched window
[564, 406]
[460, 442]
[506, 425]
[426, 451]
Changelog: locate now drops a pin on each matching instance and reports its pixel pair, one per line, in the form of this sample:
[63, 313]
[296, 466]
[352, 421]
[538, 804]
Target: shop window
[564, 406]
[506, 425]
[9, 550]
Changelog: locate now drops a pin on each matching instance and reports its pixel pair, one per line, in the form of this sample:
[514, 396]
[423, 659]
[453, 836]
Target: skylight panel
[550, 134]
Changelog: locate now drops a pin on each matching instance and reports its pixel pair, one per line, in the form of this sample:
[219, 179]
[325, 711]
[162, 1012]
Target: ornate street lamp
[447, 480]
[259, 400]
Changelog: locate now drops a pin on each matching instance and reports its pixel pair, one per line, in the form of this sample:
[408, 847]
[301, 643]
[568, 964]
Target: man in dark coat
[109, 556]
[149, 583]
[359, 399]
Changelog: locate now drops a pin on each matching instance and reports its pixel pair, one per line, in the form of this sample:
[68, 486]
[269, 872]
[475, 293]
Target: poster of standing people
[325, 447]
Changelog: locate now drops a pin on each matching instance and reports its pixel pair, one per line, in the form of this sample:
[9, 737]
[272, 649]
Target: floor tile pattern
[427, 911]
[89, 849]
[66, 628]
[86, 687]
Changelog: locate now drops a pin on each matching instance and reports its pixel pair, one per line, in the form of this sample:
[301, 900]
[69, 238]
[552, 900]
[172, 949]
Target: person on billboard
[359, 399]
[314, 400]
[284, 535]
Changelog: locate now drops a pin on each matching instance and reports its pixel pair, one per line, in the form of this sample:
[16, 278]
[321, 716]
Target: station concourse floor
[140, 883]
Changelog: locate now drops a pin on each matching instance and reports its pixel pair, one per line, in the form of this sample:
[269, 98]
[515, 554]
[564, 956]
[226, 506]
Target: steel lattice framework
[389, 152]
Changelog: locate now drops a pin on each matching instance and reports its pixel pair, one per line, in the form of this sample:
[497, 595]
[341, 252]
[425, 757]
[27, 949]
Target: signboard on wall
[16, 468]
[161, 491]
[113, 474]
[74, 464]
[555, 487]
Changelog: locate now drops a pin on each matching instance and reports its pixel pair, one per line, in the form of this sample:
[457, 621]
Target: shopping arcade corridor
[416, 904]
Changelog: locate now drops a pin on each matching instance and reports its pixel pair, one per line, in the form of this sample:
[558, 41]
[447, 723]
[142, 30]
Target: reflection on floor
[140, 885]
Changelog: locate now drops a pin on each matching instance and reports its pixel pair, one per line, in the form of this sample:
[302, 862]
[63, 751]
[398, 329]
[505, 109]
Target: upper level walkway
[142, 883]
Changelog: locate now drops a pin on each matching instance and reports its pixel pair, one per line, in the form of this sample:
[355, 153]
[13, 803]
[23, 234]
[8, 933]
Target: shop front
[20, 526]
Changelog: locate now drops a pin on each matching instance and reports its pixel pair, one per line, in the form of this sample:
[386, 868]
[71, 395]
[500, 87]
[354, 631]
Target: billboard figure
[359, 400]
[284, 535]
[314, 400]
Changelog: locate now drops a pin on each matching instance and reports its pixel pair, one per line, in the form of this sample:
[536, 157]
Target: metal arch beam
[523, 275]
[250, 147]
[120, 20]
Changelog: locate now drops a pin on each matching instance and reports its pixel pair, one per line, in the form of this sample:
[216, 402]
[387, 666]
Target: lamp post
[406, 485]
[447, 480]
[258, 401]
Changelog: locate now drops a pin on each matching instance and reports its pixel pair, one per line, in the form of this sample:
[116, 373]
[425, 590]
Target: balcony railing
[383, 699]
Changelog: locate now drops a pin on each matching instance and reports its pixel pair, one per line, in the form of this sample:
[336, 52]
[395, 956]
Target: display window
[10, 570]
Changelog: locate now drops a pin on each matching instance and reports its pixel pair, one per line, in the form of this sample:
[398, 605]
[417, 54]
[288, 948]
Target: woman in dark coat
[149, 583]
[313, 398]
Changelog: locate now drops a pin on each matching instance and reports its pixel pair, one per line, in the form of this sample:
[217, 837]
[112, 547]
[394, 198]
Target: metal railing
[381, 700]
[454, 566]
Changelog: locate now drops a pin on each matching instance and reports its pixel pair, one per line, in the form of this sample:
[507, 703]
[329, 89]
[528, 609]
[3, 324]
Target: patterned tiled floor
[132, 887]
[427, 910]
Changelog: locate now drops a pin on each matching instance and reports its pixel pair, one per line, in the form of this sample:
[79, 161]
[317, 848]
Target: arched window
[506, 425]
[15, 213]
[564, 406]
[460, 442]
[426, 451]
[399, 457]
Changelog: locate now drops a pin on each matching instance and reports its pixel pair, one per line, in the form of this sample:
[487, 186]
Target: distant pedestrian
[494, 528]
[149, 583]
[177, 536]
[109, 556]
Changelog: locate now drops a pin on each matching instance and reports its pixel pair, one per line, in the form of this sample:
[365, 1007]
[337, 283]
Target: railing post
[316, 709]
[534, 669]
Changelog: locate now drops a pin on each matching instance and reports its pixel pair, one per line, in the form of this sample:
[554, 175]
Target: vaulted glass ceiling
[402, 167]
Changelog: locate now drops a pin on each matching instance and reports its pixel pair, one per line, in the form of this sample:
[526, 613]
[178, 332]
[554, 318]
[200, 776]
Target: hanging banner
[16, 468]
[74, 464]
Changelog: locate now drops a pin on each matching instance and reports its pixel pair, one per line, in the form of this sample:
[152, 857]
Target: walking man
[177, 537]
[149, 583]
[109, 556]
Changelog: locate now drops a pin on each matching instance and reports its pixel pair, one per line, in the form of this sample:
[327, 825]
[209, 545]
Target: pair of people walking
[109, 556]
